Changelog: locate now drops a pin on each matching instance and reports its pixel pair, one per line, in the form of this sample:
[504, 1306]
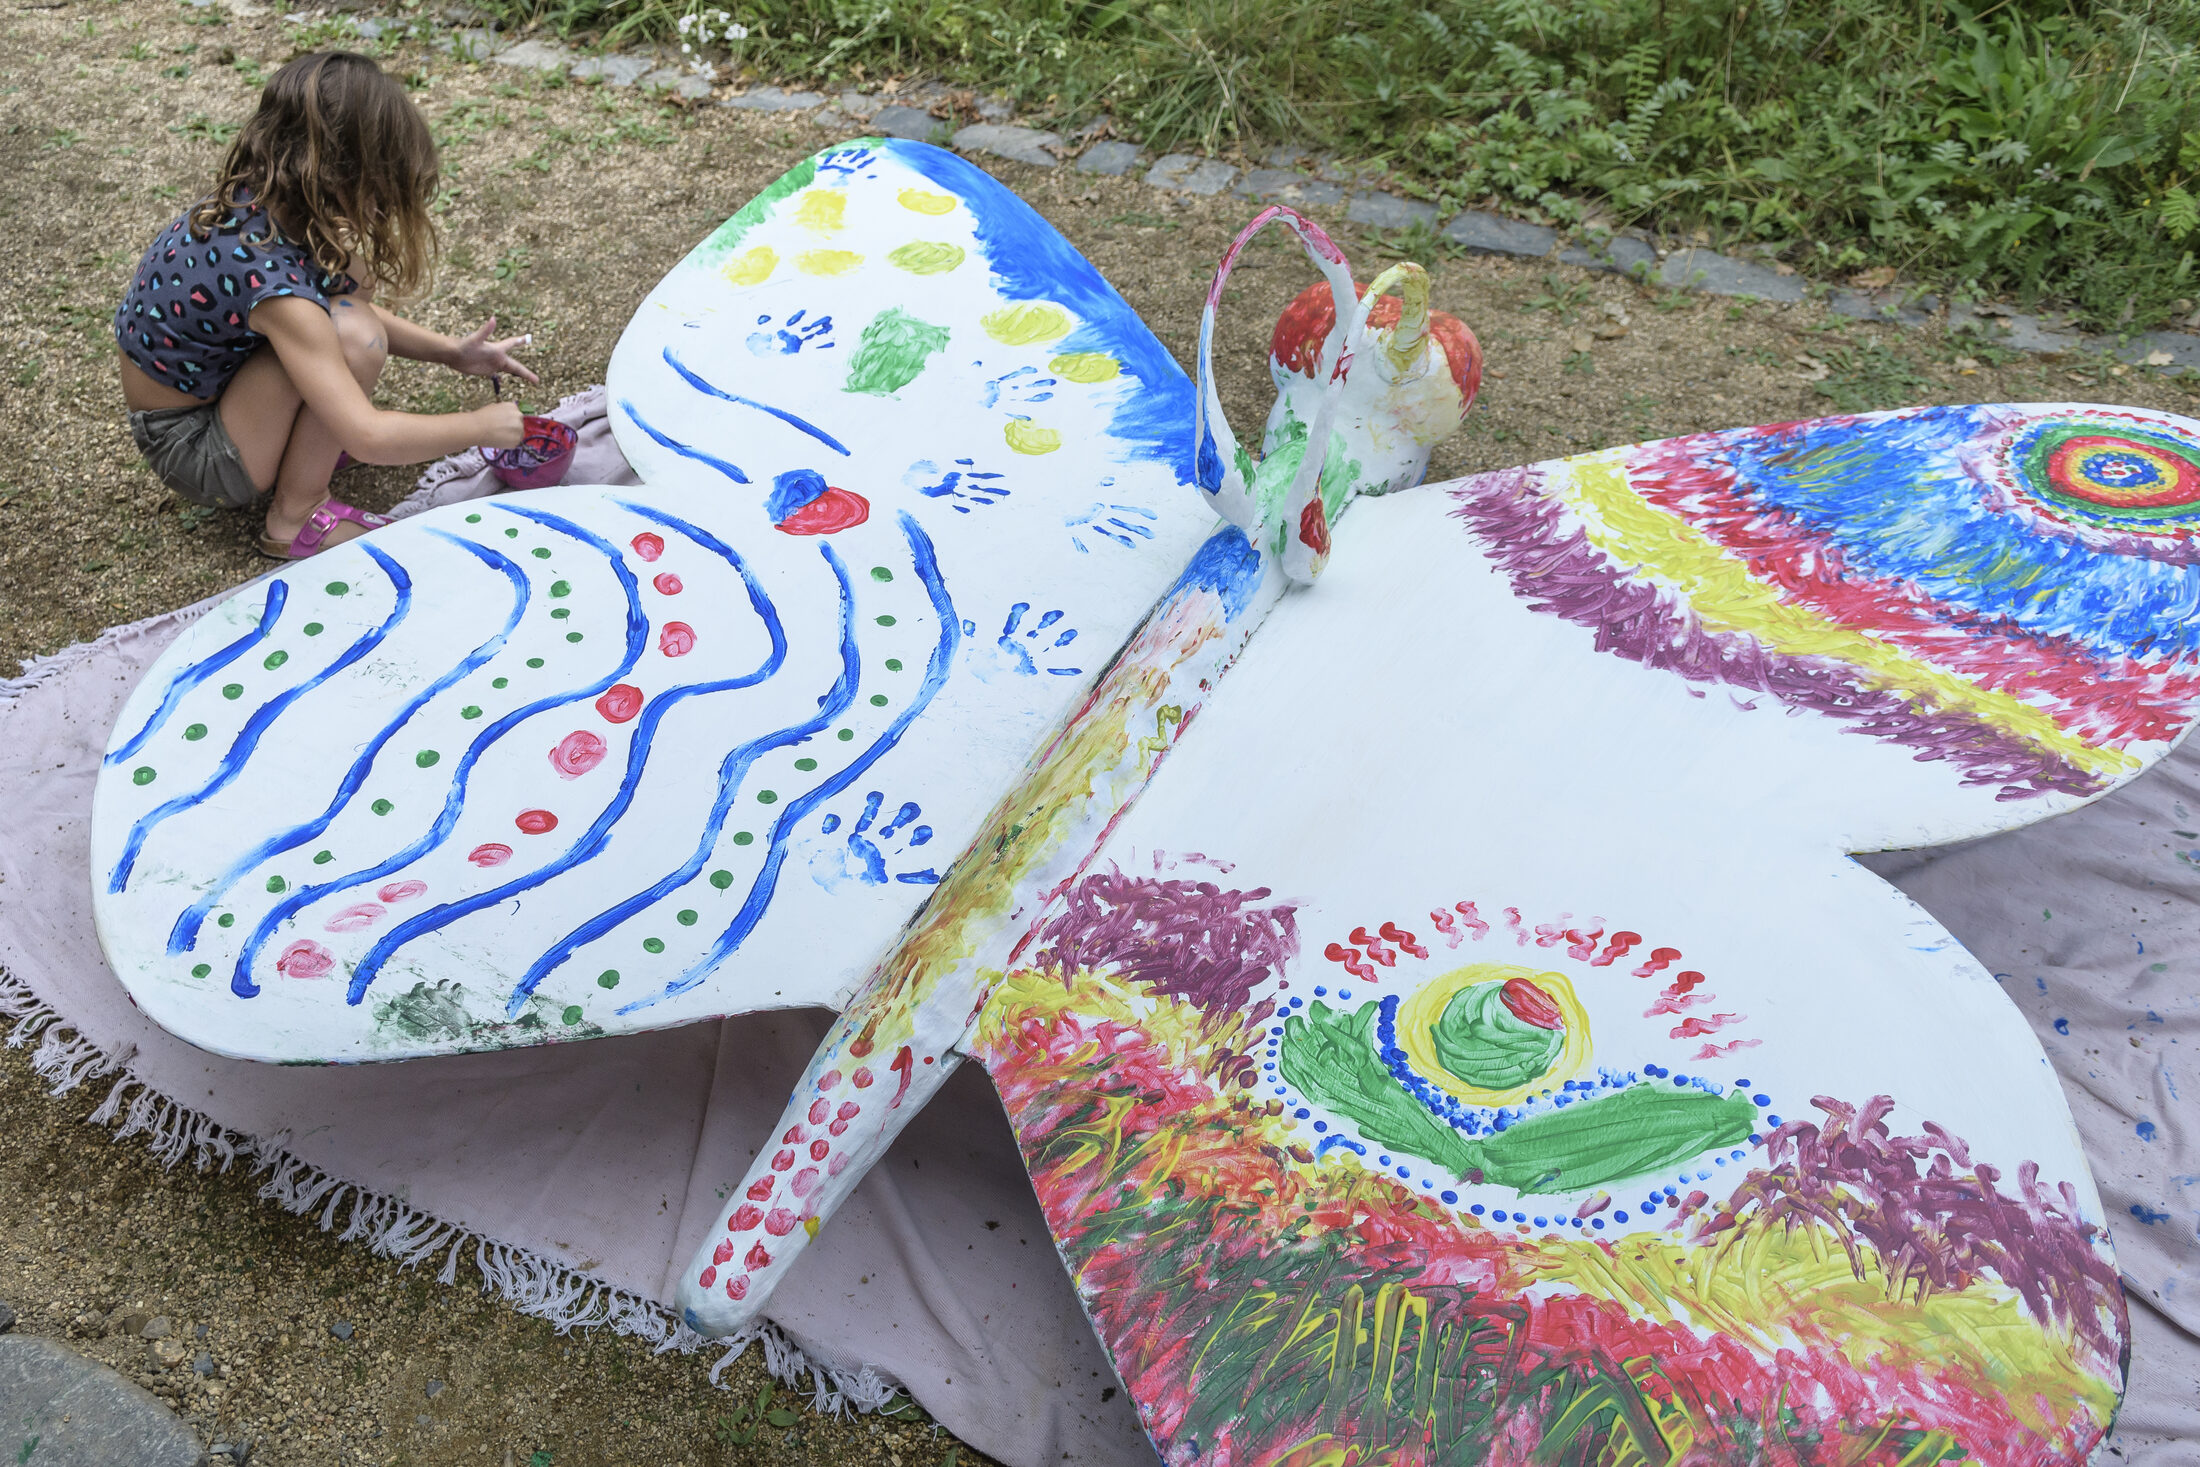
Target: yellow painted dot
[1027, 324]
[927, 257]
[821, 210]
[827, 262]
[923, 201]
[1031, 438]
[1086, 366]
[752, 267]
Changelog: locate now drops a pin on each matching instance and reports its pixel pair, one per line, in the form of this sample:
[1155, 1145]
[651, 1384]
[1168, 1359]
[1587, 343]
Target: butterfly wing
[588, 760]
[1518, 1070]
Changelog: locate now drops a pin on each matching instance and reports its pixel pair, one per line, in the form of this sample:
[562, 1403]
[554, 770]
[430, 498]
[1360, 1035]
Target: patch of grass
[2033, 147]
[1868, 377]
[1563, 298]
[201, 128]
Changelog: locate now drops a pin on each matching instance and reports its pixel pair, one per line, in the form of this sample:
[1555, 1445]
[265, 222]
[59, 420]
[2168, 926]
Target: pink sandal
[313, 538]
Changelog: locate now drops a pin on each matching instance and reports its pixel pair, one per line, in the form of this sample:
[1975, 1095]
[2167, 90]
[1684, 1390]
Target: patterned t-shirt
[185, 318]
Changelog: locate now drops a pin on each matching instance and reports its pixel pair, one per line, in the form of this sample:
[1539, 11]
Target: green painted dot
[685, 917]
[881, 573]
[195, 732]
[721, 878]
[534, 662]
[541, 552]
[608, 978]
[878, 700]
[201, 970]
[885, 621]
[275, 659]
[561, 588]
[653, 944]
[471, 710]
[143, 774]
[226, 919]
[572, 636]
[512, 534]
[893, 664]
[561, 613]
[847, 734]
[742, 838]
[572, 1013]
[322, 858]
[336, 588]
[767, 797]
[473, 519]
[313, 629]
[805, 765]
[381, 807]
[426, 758]
[500, 682]
[276, 883]
[232, 691]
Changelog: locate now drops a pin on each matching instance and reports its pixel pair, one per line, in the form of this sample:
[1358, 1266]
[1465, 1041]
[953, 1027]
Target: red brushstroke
[782, 1161]
[805, 1181]
[490, 853]
[746, 1218]
[648, 546]
[861, 1079]
[902, 1066]
[761, 1188]
[723, 1253]
[1375, 948]
[834, 510]
[1717, 1051]
[620, 702]
[1512, 925]
[1697, 1028]
[667, 583]
[1620, 946]
[1659, 960]
[1530, 1004]
[1473, 919]
[677, 639]
[355, 919]
[1354, 964]
[1392, 932]
[535, 822]
[821, 1110]
[303, 959]
[757, 1258]
[795, 1136]
[709, 1276]
[1446, 925]
[778, 1222]
[402, 891]
[577, 753]
[1314, 526]
[737, 1288]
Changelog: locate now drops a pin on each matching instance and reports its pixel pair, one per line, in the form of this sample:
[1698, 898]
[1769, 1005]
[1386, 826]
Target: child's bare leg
[281, 441]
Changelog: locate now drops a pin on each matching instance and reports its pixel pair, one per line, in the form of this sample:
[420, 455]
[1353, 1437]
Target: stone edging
[1291, 176]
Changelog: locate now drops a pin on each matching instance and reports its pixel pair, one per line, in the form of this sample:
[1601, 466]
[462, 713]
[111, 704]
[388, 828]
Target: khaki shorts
[191, 452]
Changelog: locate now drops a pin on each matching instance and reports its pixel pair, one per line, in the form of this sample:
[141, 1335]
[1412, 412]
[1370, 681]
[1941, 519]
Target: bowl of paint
[544, 455]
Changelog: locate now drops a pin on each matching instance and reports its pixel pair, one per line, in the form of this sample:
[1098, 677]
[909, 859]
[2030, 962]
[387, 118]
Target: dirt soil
[566, 204]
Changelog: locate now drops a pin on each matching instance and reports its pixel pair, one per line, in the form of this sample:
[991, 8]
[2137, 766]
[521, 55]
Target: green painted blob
[608, 978]
[473, 519]
[572, 636]
[653, 944]
[878, 700]
[742, 838]
[511, 532]
[322, 858]
[845, 735]
[561, 588]
[893, 664]
[572, 1014]
[426, 758]
[195, 732]
[881, 573]
[767, 797]
[276, 884]
[721, 878]
[226, 919]
[805, 765]
[560, 613]
[500, 682]
[471, 710]
[200, 970]
[534, 662]
[1485, 1044]
[312, 629]
[232, 691]
[885, 621]
[686, 916]
[143, 774]
[336, 588]
[892, 352]
[275, 659]
[381, 807]
[540, 552]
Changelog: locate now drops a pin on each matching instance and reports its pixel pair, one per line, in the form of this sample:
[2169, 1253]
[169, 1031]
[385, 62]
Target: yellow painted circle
[1418, 1013]
[923, 201]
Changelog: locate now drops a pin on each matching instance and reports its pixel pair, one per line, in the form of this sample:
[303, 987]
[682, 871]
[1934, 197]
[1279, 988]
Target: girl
[250, 340]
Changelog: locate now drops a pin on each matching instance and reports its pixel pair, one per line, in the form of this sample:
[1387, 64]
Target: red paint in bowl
[544, 455]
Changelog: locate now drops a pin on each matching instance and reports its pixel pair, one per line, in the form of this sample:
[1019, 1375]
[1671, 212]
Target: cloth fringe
[531, 1283]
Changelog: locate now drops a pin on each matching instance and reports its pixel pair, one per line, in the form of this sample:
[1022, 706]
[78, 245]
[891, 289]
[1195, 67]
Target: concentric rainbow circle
[1493, 1034]
[2110, 474]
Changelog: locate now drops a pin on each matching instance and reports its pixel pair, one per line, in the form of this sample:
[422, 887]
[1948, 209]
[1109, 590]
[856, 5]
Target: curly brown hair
[345, 166]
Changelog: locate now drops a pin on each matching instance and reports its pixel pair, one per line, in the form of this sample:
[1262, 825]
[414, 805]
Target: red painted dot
[745, 1218]
[648, 546]
[818, 1150]
[820, 1110]
[491, 853]
[402, 891]
[738, 1288]
[620, 702]
[849, 1110]
[761, 1188]
[677, 639]
[305, 960]
[577, 753]
[668, 583]
[779, 1222]
[723, 1251]
[710, 1276]
[861, 1079]
[804, 1181]
[795, 1134]
[535, 822]
[757, 1258]
[837, 1127]
[830, 1080]
[835, 509]
[356, 918]
[839, 1162]
[782, 1161]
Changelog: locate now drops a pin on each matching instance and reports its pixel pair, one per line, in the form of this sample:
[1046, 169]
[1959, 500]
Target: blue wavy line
[185, 935]
[730, 470]
[183, 682]
[637, 638]
[248, 738]
[731, 770]
[592, 840]
[797, 810]
[700, 385]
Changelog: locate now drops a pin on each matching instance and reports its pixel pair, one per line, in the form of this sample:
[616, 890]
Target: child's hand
[501, 425]
[478, 356]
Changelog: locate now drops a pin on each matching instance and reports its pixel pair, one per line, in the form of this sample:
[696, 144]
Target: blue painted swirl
[709, 390]
[278, 591]
[730, 470]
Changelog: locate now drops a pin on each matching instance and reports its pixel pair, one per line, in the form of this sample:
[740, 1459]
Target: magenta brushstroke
[1555, 569]
[1189, 940]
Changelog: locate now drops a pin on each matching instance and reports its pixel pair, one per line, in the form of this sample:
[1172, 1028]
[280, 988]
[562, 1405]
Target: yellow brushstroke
[1086, 366]
[1028, 437]
[924, 201]
[1728, 598]
[822, 210]
[827, 262]
[926, 257]
[752, 266]
[1027, 324]
[1417, 1018]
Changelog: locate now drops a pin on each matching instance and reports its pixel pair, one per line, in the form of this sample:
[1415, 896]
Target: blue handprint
[1022, 385]
[1012, 641]
[793, 334]
[866, 861]
[1108, 520]
[848, 162]
[958, 484]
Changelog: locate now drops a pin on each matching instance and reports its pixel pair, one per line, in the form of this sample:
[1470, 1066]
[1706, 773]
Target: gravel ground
[568, 202]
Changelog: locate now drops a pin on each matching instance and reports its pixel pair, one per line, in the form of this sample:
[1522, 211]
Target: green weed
[201, 128]
[1862, 379]
[749, 1418]
[1561, 297]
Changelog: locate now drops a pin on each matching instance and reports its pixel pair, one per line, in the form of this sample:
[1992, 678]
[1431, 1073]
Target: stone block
[907, 122]
[773, 99]
[1379, 210]
[1494, 234]
[1191, 174]
[1017, 144]
[857, 105]
[1620, 254]
[614, 71]
[1287, 186]
[471, 44]
[2181, 347]
[1725, 275]
[1111, 158]
[535, 56]
[67, 1411]
[1884, 305]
